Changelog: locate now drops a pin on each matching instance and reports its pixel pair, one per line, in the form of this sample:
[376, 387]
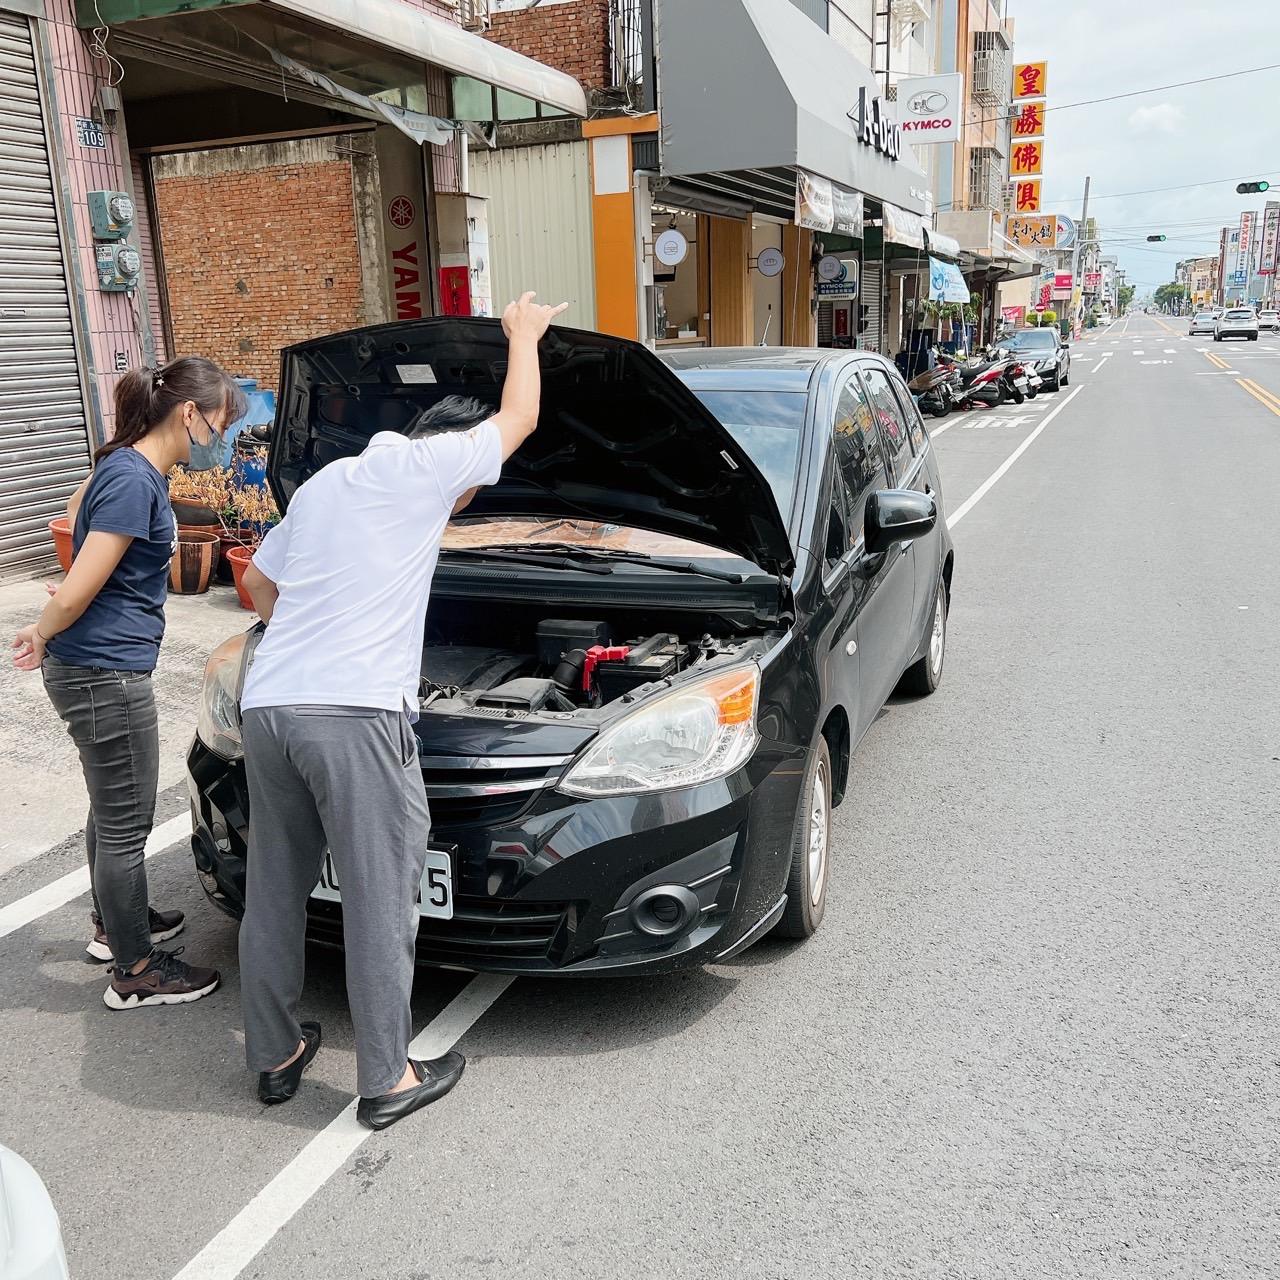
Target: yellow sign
[1036, 232]
[1030, 80]
[1026, 196]
[1026, 159]
[1028, 121]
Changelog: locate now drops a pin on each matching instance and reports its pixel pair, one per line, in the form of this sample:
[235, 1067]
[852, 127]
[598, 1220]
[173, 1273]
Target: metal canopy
[753, 84]
[322, 34]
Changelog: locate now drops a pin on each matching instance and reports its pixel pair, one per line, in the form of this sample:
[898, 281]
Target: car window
[910, 411]
[858, 452]
[768, 425]
[1033, 340]
[893, 426]
[1238, 315]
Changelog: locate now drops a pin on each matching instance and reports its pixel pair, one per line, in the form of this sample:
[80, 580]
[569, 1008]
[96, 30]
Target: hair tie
[157, 378]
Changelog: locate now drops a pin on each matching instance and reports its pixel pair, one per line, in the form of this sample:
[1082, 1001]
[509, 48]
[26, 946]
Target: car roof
[753, 368]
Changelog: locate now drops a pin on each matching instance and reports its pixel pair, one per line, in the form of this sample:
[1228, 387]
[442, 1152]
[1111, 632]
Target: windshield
[1033, 340]
[767, 424]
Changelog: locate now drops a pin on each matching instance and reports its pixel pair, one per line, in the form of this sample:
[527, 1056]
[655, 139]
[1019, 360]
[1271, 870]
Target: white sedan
[1203, 322]
[1269, 320]
[30, 1236]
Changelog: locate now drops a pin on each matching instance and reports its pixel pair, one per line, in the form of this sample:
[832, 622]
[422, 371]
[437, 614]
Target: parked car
[1269, 320]
[1045, 351]
[30, 1234]
[1203, 322]
[1236, 322]
[653, 646]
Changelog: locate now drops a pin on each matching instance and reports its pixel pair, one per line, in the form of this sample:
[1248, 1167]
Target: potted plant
[252, 513]
[192, 566]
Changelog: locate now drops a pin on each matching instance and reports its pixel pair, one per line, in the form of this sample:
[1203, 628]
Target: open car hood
[620, 440]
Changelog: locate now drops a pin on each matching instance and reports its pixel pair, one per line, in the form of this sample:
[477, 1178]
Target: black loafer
[438, 1076]
[280, 1086]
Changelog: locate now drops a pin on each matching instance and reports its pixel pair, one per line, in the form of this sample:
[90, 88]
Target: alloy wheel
[819, 834]
[938, 636]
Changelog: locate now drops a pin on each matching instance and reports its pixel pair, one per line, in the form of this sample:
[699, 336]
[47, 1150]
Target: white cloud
[1162, 118]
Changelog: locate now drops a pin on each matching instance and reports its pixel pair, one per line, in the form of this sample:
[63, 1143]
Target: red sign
[1014, 315]
[1030, 79]
[1062, 280]
[841, 318]
[1092, 281]
[455, 291]
[407, 282]
[1044, 298]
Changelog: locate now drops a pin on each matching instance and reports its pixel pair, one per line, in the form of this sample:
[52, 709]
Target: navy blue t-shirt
[123, 626]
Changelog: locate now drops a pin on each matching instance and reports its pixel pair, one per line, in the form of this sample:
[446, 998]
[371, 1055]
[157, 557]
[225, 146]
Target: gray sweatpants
[347, 777]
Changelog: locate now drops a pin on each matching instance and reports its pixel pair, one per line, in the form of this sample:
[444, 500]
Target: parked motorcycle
[979, 382]
[931, 391]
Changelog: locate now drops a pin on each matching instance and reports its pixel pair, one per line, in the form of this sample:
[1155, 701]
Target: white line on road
[1139, 353]
[245, 1236]
[1100, 363]
[984, 488]
[69, 887]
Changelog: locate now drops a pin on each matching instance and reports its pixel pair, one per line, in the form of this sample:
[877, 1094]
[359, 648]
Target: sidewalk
[42, 795]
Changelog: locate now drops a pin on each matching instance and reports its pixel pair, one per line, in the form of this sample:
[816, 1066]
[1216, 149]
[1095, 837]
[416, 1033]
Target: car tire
[1253, 337]
[810, 861]
[925, 675]
[1217, 337]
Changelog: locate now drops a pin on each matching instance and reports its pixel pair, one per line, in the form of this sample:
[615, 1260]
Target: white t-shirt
[353, 560]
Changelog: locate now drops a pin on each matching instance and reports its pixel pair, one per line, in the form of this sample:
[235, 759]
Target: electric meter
[110, 214]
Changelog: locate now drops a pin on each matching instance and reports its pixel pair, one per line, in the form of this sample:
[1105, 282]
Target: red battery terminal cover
[601, 653]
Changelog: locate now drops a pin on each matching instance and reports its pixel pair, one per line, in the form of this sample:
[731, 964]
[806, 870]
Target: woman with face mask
[96, 645]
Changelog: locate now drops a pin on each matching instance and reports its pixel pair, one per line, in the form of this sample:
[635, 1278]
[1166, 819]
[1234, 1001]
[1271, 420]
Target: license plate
[1020, 383]
[435, 893]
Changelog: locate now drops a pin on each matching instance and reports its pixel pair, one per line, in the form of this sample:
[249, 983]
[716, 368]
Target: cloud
[1162, 118]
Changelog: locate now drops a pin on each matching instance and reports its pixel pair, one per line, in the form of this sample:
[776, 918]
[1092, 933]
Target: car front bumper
[558, 886]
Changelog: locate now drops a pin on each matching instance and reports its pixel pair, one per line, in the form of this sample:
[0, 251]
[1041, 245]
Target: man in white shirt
[330, 752]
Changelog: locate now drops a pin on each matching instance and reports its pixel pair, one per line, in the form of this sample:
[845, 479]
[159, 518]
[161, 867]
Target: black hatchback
[652, 646]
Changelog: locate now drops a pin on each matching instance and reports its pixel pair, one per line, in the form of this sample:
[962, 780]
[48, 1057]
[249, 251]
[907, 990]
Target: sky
[1225, 129]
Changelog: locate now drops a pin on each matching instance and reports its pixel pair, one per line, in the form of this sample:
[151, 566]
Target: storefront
[772, 166]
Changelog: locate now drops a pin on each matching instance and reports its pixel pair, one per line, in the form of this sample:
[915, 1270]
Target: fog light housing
[665, 911]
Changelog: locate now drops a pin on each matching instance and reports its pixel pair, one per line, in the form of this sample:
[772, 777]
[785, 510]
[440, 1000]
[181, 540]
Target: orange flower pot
[191, 569]
[239, 558]
[61, 531]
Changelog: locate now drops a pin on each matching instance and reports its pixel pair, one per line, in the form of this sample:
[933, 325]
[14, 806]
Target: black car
[1045, 351]
[652, 647]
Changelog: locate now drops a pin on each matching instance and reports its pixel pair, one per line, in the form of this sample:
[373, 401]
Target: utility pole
[1076, 281]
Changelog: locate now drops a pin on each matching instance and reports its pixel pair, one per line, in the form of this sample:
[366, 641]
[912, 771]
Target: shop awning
[903, 227]
[754, 84]
[233, 39]
[941, 246]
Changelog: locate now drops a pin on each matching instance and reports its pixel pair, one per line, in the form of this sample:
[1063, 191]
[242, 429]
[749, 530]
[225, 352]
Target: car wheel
[925, 675]
[1217, 337]
[810, 849]
[1253, 337]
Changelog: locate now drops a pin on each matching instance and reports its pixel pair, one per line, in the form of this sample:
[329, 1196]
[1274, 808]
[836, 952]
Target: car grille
[481, 927]
[465, 791]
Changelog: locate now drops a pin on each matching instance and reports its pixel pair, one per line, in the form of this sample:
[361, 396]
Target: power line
[1185, 186]
[1138, 93]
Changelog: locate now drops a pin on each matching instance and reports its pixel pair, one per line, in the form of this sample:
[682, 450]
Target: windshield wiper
[600, 559]
[509, 555]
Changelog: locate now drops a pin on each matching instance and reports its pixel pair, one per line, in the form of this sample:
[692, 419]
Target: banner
[822, 205]
[1014, 315]
[930, 107]
[1270, 239]
[1028, 121]
[946, 284]
[1026, 196]
[1026, 159]
[1244, 248]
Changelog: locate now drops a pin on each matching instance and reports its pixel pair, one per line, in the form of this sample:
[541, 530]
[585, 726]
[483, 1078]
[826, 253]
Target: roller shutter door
[44, 451]
[869, 297]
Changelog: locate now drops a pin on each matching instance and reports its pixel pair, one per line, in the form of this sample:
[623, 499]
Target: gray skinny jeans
[111, 717]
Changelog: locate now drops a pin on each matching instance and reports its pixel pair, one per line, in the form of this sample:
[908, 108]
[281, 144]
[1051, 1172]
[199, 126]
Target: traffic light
[1252, 188]
[1152, 238]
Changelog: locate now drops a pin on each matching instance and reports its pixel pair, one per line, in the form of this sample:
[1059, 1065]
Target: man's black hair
[453, 413]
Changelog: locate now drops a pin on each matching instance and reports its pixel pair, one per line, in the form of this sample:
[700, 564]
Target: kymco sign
[929, 108]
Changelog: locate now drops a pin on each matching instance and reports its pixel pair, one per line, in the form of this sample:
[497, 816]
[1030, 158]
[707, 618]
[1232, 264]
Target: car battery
[558, 636]
[653, 659]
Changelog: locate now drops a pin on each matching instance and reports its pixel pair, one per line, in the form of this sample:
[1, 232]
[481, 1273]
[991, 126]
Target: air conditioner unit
[905, 14]
[474, 14]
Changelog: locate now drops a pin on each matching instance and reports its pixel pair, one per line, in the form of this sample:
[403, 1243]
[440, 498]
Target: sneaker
[164, 925]
[165, 980]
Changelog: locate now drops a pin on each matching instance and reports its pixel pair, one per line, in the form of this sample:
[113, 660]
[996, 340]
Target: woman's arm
[98, 556]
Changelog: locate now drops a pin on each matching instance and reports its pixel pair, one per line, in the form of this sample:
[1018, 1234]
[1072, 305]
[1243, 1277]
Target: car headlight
[218, 724]
[702, 731]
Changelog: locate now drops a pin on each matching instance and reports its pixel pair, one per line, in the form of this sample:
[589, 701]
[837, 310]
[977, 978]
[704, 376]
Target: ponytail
[146, 397]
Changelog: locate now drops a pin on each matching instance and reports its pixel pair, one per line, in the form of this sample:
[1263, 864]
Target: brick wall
[260, 250]
[572, 36]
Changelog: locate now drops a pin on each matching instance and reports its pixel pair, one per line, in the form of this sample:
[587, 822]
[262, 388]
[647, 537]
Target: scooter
[931, 391]
[979, 383]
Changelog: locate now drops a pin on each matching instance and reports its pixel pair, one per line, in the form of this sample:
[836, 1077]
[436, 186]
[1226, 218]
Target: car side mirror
[897, 515]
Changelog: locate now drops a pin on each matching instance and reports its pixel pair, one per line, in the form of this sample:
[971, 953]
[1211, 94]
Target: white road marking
[69, 887]
[1157, 362]
[985, 487]
[1100, 363]
[1139, 353]
[1171, 351]
[245, 1236]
